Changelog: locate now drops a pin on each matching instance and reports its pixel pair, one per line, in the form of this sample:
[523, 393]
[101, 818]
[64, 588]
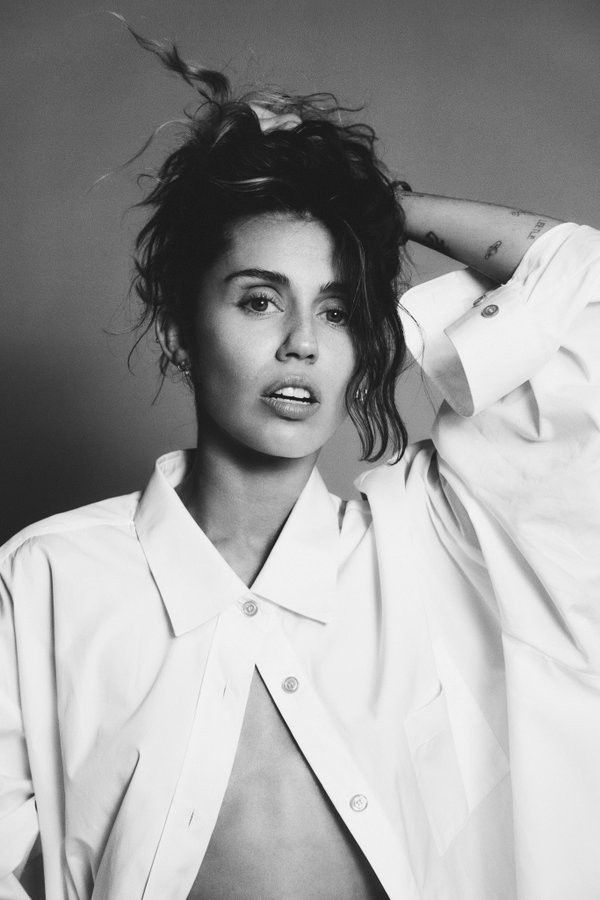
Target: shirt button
[250, 608]
[358, 802]
[489, 311]
[290, 684]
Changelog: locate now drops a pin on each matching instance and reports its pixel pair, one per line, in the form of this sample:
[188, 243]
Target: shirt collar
[301, 570]
[194, 580]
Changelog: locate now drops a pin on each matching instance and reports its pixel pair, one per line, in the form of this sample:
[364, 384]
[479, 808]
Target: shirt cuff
[477, 341]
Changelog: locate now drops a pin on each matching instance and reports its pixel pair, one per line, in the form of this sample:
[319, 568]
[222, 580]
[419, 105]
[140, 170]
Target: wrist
[414, 206]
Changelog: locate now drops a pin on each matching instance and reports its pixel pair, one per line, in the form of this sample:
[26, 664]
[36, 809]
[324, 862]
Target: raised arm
[492, 239]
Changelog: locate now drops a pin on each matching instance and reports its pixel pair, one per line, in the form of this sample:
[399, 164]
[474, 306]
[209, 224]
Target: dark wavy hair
[227, 169]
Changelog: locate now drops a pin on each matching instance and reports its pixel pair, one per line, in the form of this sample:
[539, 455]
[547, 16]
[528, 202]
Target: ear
[168, 335]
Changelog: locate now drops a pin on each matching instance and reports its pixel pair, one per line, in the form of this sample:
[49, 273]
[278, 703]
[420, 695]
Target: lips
[293, 397]
[295, 389]
[293, 393]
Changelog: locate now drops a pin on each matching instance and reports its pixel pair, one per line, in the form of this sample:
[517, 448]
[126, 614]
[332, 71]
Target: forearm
[492, 239]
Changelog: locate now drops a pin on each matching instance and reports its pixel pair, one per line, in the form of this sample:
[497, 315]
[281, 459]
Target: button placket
[334, 765]
[216, 722]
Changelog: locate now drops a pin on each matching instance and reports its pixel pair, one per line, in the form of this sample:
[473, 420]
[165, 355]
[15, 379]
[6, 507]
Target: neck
[241, 499]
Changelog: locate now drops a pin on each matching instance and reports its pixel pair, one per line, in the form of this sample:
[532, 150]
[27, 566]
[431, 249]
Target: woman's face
[273, 353]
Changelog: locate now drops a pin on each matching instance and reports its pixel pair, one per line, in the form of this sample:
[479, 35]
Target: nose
[299, 340]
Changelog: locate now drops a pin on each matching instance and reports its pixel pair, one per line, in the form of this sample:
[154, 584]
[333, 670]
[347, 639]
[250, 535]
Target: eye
[257, 303]
[336, 315]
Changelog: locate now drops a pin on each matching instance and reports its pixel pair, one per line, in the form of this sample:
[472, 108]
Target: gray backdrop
[489, 100]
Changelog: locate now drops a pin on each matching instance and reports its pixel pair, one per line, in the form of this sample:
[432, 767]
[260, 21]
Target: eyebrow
[282, 280]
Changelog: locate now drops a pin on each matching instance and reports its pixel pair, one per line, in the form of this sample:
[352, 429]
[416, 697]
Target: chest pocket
[457, 763]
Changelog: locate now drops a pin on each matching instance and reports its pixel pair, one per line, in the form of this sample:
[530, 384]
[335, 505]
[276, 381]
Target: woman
[236, 685]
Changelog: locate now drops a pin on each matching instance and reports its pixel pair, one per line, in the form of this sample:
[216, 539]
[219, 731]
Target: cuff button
[490, 310]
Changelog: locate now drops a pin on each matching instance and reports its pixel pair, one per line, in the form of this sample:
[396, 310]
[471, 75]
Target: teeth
[293, 393]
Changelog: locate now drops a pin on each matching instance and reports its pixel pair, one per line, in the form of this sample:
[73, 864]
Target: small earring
[184, 367]
[360, 395]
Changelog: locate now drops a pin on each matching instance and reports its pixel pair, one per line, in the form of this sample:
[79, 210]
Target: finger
[270, 121]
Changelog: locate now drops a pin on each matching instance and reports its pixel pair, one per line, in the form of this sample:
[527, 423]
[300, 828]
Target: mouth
[292, 398]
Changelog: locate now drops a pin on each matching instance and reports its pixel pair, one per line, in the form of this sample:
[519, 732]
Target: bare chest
[277, 834]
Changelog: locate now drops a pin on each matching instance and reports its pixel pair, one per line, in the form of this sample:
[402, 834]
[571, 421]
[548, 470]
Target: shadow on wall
[60, 439]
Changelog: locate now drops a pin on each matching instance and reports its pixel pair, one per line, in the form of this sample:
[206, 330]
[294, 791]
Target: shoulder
[86, 522]
[412, 494]
[417, 464]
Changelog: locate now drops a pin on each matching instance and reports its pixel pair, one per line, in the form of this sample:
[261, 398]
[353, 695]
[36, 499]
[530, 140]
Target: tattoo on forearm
[436, 243]
[516, 212]
[493, 249]
[536, 229]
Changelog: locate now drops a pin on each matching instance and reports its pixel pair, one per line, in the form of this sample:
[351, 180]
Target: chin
[276, 439]
[289, 449]
[291, 444]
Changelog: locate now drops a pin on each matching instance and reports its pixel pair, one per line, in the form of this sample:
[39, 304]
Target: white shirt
[434, 648]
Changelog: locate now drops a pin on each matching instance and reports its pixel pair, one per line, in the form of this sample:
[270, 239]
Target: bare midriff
[278, 836]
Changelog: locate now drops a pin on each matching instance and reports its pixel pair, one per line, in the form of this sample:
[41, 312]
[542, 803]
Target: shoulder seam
[30, 533]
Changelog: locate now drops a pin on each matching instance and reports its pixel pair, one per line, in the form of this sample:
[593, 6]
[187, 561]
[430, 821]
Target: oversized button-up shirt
[434, 647]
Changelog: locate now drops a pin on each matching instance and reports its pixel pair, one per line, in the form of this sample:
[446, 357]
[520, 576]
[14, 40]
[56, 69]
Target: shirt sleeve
[512, 492]
[18, 816]
[477, 341]
[518, 436]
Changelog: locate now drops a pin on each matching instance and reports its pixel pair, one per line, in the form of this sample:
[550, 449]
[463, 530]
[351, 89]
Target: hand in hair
[272, 121]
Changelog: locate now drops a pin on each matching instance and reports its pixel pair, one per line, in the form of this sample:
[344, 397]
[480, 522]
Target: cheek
[344, 365]
[226, 359]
